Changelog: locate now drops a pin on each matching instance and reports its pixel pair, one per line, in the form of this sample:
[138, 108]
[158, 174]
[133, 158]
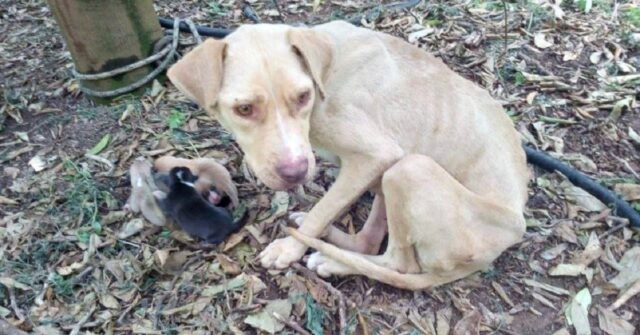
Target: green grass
[84, 199]
[215, 9]
[31, 266]
[631, 16]
[315, 316]
[63, 287]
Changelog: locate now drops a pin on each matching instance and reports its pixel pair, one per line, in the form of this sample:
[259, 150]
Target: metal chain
[168, 52]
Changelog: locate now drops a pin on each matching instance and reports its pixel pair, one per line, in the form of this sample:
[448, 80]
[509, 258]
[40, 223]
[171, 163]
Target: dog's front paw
[326, 266]
[282, 252]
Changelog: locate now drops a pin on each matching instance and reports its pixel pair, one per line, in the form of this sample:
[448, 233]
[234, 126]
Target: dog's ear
[199, 73]
[315, 50]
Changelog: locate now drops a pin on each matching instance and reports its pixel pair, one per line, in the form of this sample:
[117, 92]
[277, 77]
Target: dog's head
[183, 175]
[261, 83]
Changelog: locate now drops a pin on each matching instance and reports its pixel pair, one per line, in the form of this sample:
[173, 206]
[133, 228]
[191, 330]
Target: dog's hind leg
[368, 239]
[439, 231]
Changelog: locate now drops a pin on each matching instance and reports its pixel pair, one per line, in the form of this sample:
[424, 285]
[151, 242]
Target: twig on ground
[628, 294]
[292, 324]
[506, 30]
[333, 290]
[535, 62]
[76, 328]
[14, 304]
[614, 229]
[363, 324]
[127, 310]
[103, 161]
[627, 166]
[77, 279]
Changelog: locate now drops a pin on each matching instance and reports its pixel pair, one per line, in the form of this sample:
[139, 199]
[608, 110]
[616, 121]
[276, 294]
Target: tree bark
[106, 34]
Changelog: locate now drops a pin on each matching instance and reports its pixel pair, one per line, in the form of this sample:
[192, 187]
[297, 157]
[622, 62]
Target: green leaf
[101, 145]
[577, 313]
[83, 236]
[520, 79]
[97, 227]
[176, 119]
[585, 5]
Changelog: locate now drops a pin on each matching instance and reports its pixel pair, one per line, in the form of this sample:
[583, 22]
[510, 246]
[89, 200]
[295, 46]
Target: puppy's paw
[326, 266]
[297, 217]
[282, 252]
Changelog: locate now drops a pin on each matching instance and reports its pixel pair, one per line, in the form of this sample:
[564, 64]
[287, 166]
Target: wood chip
[547, 287]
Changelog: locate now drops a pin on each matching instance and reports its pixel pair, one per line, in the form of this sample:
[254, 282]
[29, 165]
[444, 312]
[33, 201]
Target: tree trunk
[106, 34]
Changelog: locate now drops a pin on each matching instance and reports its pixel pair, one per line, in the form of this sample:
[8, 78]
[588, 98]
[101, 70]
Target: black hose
[537, 158]
[619, 206]
[222, 32]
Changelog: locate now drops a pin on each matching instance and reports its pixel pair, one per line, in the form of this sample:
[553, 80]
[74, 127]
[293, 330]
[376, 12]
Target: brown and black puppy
[194, 213]
[211, 175]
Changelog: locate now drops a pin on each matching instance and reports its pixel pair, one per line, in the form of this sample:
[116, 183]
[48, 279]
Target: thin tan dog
[441, 155]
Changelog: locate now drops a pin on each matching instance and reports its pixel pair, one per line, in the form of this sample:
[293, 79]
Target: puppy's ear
[199, 73]
[316, 52]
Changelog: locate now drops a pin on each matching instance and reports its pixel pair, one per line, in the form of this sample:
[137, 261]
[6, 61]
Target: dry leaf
[237, 282]
[581, 197]
[634, 135]
[591, 252]
[228, 265]
[416, 35]
[12, 283]
[171, 262]
[131, 228]
[108, 301]
[540, 41]
[37, 163]
[562, 331]
[443, 319]
[567, 270]
[613, 324]
[554, 252]
[6, 201]
[565, 231]
[264, 320]
[629, 192]
[469, 324]
[630, 269]
[627, 294]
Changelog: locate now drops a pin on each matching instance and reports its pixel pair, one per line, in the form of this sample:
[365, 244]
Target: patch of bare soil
[72, 261]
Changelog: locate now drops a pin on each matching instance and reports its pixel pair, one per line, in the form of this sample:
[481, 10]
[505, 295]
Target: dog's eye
[244, 110]
[303, 98]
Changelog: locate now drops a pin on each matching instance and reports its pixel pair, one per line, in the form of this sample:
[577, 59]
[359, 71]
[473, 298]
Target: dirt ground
[71, 261]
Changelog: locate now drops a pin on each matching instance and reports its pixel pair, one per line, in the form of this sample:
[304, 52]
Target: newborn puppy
[195, 214]
[213, 195]
[210, 174]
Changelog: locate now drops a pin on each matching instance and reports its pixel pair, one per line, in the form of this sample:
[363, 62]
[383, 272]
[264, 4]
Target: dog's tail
[409, 281]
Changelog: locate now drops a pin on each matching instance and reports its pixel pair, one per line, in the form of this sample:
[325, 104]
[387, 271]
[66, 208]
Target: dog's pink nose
[293, 170]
